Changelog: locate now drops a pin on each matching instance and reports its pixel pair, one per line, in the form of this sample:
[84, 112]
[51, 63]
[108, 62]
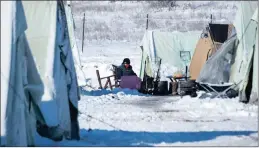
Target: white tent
[19, 76]
[167, 46]
[254, 94]
[49, 40]
[76, 53]
[247, 51]
[38, 77]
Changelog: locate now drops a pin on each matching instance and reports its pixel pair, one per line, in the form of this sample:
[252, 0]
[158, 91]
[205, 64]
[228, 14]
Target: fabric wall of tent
[212, 38]
[246, 58]
[21, 85]
[49, 40]
[167, 46]
[76, 53]
[38, 77]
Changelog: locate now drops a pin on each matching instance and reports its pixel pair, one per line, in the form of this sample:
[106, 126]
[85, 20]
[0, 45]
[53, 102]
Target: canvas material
[246, 33]
[49, 39]
[41, 34]
[75, 51]
[167, 46]
[202, 50]
[254, 95]
[17, 73]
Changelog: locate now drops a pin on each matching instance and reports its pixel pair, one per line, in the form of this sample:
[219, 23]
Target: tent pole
[83, 38]
[147, 23]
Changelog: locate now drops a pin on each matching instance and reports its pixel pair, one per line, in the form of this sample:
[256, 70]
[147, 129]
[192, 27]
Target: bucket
[162, 88]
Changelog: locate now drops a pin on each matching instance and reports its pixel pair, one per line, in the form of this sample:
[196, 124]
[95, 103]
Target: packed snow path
[127, 118]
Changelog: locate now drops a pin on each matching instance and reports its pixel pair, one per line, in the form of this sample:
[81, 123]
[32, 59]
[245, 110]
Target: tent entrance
[248, 89]
[219, 32]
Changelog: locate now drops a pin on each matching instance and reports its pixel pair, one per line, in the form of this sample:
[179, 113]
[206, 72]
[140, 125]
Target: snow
[127, 20]
[101, 55]
[124, 117]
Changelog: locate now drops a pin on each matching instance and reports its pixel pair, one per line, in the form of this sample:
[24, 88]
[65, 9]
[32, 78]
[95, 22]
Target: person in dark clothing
[126, 68]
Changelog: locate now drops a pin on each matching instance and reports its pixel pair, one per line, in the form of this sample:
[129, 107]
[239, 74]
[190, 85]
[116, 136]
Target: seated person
[126, 68]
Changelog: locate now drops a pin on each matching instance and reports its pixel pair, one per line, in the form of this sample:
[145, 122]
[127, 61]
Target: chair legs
[220, 94]
[225, 91]
[204, 88]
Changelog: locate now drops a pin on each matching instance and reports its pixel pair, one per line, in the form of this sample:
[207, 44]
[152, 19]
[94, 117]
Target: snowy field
[126, 20]
[127, 118]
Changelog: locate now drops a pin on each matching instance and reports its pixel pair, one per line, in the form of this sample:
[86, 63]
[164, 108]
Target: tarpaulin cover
[217, 68]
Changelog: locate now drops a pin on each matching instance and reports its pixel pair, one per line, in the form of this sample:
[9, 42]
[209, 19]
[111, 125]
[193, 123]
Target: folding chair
[117, 77]
[225, 86]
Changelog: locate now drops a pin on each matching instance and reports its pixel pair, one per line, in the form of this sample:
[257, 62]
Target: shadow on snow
[101, 92]
[98, 137]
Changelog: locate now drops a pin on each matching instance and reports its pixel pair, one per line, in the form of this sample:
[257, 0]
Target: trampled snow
[124, 117]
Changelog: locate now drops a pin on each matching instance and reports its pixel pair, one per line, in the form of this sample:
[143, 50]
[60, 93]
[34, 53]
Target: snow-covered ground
[127, 118]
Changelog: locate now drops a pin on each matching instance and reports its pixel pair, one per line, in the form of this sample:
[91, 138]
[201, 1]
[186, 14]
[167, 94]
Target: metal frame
[219, 94]
[182, 54]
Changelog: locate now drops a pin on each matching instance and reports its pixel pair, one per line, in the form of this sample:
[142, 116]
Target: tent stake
[83, 38]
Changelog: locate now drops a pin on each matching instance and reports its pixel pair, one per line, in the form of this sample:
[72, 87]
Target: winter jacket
[126, 71]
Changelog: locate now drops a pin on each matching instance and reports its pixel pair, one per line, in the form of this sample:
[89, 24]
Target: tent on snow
[216, 69]
[212, 38]
[237, 59]
[49, 40]
[245, 65]
[38, 78]
[167, 46]
[19, 76]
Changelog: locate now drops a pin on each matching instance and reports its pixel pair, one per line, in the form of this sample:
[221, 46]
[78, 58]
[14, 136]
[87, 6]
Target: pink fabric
[131, 82]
